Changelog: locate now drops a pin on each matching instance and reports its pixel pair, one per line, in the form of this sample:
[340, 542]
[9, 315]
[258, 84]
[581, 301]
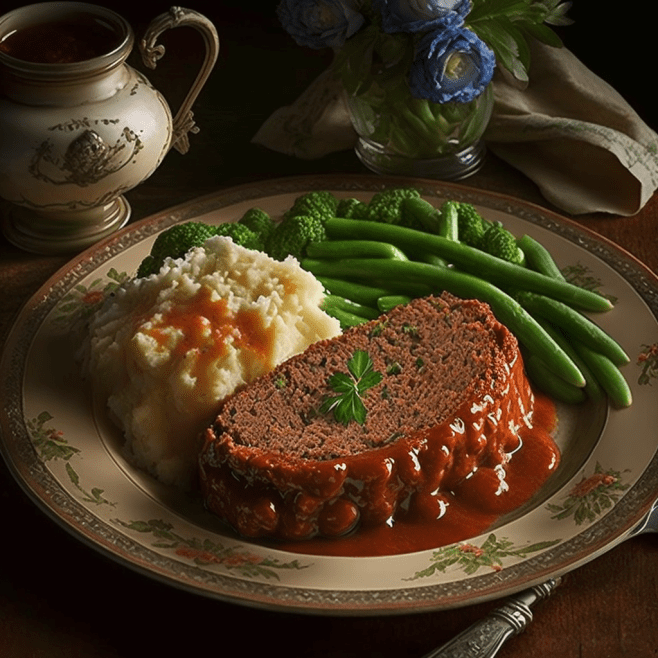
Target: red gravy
[74, 40]
[206, 325]
[471, 506]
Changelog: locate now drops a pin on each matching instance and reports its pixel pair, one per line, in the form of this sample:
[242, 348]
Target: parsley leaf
[348, 405]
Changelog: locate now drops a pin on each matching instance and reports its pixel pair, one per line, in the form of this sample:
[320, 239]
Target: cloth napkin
[567, 130]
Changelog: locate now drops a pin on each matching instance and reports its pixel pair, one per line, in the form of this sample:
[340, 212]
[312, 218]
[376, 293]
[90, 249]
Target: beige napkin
[567, 130]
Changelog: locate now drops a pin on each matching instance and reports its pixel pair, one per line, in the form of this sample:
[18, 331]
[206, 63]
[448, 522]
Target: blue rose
[453, 66]
[421, 15]
[319, 23]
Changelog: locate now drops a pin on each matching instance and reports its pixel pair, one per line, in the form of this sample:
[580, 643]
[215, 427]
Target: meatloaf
[452, 397]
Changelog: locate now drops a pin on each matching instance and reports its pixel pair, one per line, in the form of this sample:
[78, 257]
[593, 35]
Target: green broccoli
[293, 234]
[386, 206]
[241, 235]
[175, 242]
[351, 208]
[471, 225]
[320, 204]
[498, 241]
[259, 222]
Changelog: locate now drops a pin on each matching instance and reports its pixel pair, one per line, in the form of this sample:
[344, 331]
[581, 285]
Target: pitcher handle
[183, 122]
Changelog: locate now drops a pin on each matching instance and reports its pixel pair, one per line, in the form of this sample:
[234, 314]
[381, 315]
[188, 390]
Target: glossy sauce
[74, 40]
[469, 508]
[206, 325]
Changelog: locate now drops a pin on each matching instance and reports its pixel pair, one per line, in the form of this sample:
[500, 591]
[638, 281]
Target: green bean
[495, 270]
[412, 289]
[449, 222]
[353, 249]
[608, 374]
[574, 324]
[357, 292]
[432, 259]
[550, 383]
[424, 213]
[387, 302]
[331, 302]
[508, 311]
[539, 258]
[345, 318]
[440, 222]
[592, 388]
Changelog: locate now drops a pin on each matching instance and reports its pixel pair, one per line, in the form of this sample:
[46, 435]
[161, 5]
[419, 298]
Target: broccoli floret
[498, 241]
[320, 204]
[351, 208]
[259, 222]
[386, 206]
[472, 225]
[148, 266]
[293, 234]
[175, 242]
[241, 235]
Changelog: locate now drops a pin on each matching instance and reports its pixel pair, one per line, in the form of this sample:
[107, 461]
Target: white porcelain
[76, 136]
[67, 454]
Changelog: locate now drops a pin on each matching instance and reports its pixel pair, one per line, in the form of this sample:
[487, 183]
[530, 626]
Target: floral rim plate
[67, 456]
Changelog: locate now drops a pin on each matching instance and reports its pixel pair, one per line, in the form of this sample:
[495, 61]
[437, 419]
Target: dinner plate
[67, 455]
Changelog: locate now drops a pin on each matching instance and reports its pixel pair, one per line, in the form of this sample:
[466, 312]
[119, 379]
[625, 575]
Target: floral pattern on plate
[491, 554]
[68, 455]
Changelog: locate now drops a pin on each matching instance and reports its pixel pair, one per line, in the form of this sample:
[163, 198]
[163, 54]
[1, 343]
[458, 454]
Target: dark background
[616, 44]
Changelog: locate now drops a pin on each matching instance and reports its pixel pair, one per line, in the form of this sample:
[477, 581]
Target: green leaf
[494, 9]
[544, 34]
[505, 26]
[359, 364]
[44, 417]
[353, 62]
[369, 380]
[341, 383]
[556, 12]
[348, 406]
[138, 526]
[393, 48]
[73, 476]
[509, 46]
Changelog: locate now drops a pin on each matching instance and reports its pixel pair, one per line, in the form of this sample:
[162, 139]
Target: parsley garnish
[348, 404]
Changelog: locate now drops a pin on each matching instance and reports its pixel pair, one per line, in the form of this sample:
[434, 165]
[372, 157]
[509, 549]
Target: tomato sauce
[469, 507]
[205, 327]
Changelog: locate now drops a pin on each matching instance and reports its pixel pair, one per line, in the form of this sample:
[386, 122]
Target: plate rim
[279, 597]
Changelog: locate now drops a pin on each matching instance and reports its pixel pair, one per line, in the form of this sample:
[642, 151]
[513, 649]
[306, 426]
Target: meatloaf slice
[452, 397]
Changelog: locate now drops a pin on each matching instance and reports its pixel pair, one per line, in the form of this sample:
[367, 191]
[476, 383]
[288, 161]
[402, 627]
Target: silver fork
[485, 638]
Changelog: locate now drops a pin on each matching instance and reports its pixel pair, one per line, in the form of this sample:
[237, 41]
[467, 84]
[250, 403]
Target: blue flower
[421, 15]
[320, 23]
[451, 66]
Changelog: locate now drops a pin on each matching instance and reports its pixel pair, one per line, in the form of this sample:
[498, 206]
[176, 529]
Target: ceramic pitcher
[78, 126]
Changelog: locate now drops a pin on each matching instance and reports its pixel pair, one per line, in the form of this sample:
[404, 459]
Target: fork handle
[485, 638]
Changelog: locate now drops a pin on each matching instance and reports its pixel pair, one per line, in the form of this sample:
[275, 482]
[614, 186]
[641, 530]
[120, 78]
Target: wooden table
[60, 598]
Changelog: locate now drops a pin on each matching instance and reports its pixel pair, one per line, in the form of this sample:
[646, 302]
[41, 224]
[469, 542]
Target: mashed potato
[165, 349]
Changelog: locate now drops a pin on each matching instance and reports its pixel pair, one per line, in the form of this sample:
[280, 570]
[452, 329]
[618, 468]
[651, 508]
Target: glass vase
[413, 137]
